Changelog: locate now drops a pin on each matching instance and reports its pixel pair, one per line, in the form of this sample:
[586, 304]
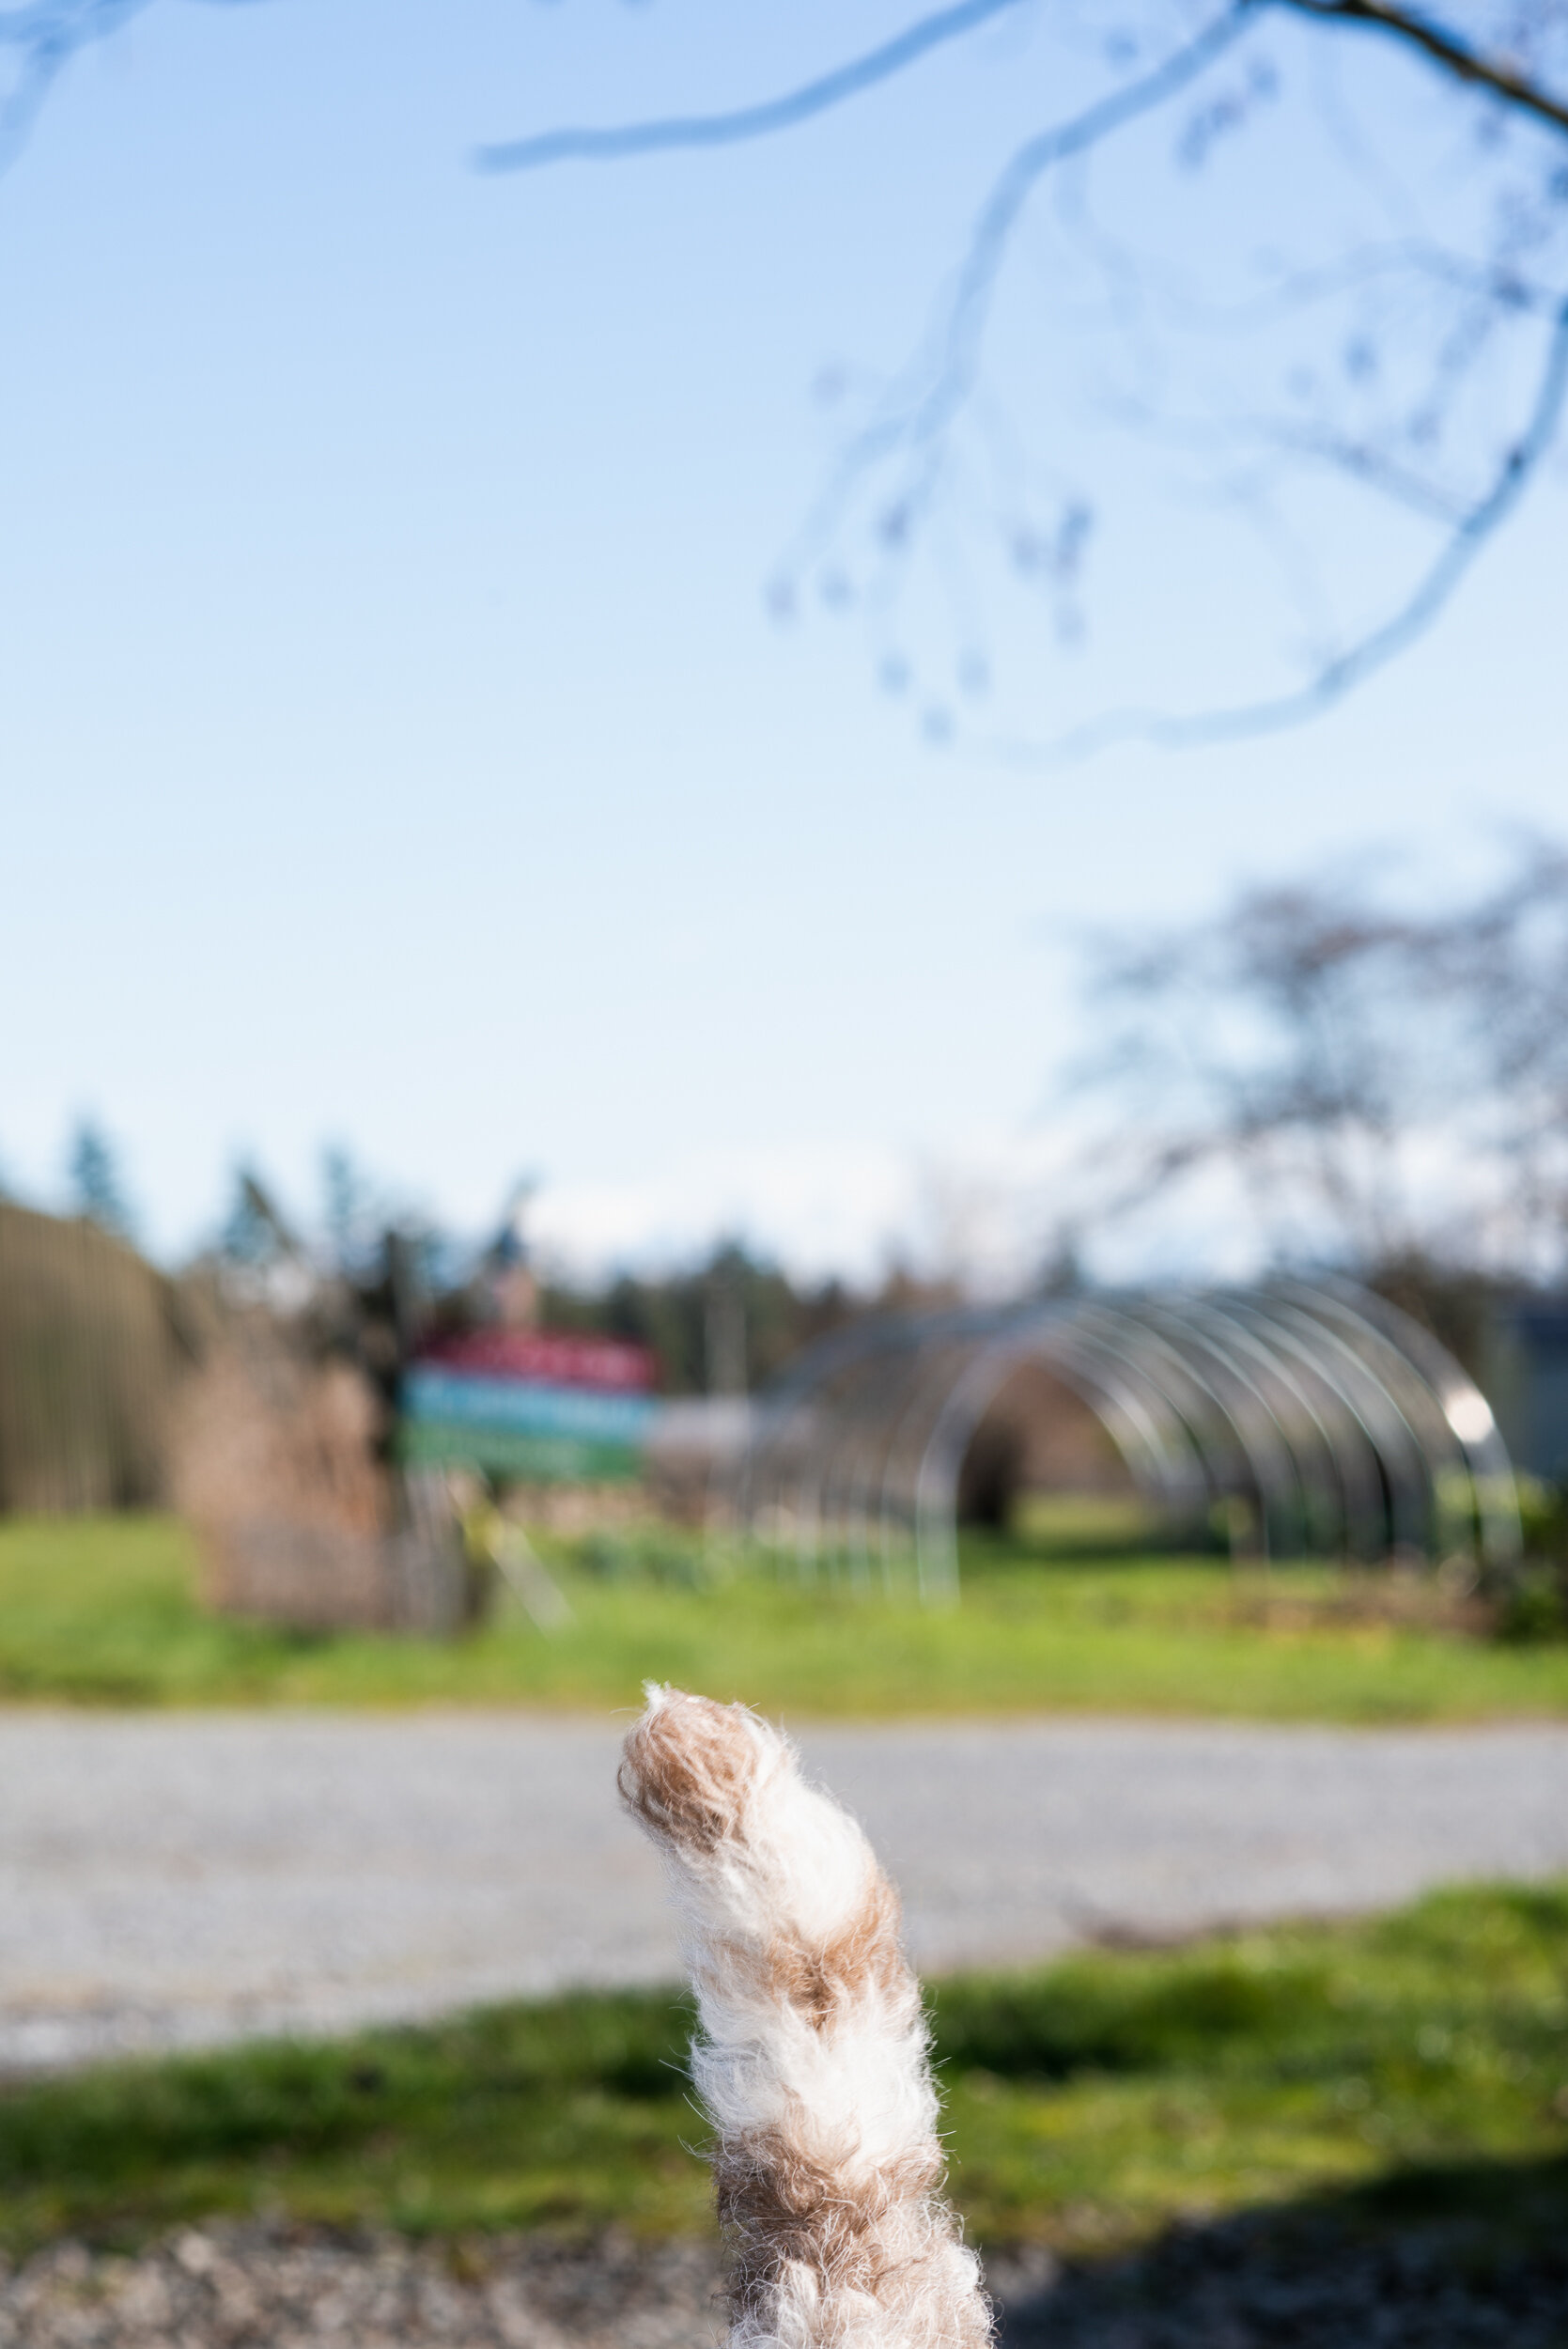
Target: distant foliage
[732, 1312]
[97, 1190]
[1388, 1089]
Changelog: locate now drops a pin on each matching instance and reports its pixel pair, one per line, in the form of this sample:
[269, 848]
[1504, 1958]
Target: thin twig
[795, 106]
[919, 413]
[1338, 677]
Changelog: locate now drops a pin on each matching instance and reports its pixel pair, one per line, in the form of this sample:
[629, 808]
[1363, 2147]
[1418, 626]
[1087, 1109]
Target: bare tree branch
[913, 422]
[749, 122]
[1392, 1084]
[1340, 676]
[917, 40]
[1267, 436]
[920, 411]
[918, 416]
[1500, 285]
[1444, 48]
[44, 38]
[1021, 176]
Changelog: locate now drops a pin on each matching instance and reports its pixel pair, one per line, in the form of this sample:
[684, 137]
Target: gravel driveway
[1251, 2282]
[170, 1880]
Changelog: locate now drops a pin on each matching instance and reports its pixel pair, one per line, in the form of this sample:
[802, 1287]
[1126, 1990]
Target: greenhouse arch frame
[1312, 1417]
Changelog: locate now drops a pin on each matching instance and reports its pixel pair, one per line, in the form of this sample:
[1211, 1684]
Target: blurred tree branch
[880, 65]
[1458, 453]
[853, 80]
[1382, 1085]
[1498, 74]
[1433, 389]
[39, 40]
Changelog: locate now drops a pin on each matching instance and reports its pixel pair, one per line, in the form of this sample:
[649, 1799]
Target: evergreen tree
[95, 1181]
[254, 1233]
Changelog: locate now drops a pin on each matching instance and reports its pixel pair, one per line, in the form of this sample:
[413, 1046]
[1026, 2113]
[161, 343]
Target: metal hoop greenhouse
[1314, 1418]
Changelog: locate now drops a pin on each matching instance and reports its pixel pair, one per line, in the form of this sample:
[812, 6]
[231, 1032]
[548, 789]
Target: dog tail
[812, 2057]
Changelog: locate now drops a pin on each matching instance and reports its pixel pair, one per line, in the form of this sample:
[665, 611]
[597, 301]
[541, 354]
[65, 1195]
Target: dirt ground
[1247, 2283]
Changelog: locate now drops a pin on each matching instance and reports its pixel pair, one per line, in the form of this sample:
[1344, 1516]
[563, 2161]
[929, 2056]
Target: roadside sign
[544, 1405]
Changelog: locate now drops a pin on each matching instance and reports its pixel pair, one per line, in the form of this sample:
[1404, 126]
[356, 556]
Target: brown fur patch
[865, 1956]
[824, 1978]
[686, 1771]
[779, 2204]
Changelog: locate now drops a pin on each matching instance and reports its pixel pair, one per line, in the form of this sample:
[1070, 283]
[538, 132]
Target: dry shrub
[262, 1431]
[275, 1466]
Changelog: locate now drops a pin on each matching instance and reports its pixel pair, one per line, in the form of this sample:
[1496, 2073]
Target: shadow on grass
[1427, 2257]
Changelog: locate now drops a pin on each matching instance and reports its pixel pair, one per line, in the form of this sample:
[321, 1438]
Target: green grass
[1095, 2102]
[1089, 2103]
[104, 1611]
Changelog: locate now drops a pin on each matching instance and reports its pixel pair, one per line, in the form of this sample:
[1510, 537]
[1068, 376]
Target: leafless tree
[1349, 286]
[1384, 1085]
[1293, 274]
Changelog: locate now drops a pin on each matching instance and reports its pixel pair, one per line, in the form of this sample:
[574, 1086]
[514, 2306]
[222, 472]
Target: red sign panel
[547, 1357]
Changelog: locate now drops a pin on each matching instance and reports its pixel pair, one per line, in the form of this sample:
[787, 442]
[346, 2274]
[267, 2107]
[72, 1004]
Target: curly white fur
[812, 2059]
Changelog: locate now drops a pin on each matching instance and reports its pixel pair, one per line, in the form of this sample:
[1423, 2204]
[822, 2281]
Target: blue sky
[397, 748]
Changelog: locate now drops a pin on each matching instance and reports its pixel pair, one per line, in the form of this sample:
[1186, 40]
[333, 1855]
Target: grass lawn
[1089, 2102]
[104, 1611]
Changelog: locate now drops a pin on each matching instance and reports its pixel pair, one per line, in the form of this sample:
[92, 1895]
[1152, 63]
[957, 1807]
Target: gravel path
[1249, 2283]
[170, 1879]
[255, 2287]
